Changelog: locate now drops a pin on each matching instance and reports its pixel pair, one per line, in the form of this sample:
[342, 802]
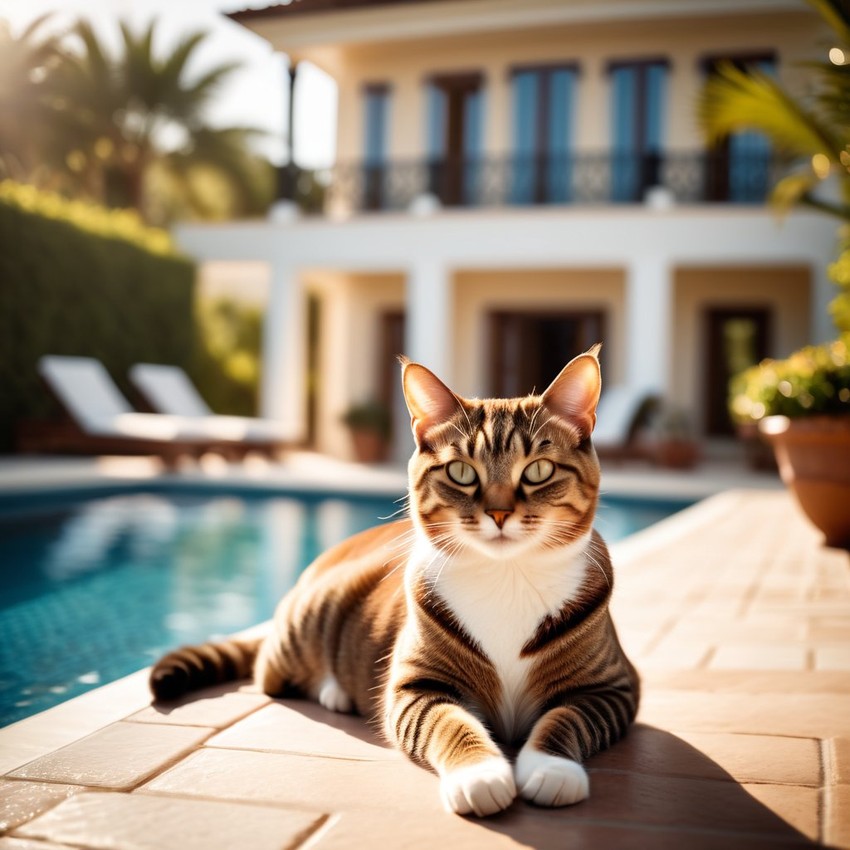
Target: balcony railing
[590, 179]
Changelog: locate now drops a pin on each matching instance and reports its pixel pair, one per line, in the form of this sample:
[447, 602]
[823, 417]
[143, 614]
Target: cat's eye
[461, 473]
[538, 471]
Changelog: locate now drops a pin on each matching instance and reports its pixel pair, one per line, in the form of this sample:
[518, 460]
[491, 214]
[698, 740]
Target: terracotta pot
[677, 454]
[813, 455]
[369, 446]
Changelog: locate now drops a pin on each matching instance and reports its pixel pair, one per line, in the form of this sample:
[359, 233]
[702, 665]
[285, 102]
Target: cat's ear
[574, 394]
[429, 400]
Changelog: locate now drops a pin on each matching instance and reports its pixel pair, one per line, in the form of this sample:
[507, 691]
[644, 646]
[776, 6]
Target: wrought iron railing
[590, 179]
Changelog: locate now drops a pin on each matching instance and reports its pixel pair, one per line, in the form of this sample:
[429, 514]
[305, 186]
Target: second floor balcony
[515, 181]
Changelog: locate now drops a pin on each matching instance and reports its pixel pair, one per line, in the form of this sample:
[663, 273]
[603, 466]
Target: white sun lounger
[101, 418]
[168, 390]
[615, 418]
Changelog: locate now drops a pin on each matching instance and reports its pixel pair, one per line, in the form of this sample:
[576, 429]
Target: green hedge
[79, 280]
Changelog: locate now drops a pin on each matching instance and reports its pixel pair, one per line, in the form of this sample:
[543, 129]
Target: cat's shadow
[653, 789]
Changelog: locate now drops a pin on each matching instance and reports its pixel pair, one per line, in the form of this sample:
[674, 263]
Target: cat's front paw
[333, 697]
[484, 788]
[550, 780]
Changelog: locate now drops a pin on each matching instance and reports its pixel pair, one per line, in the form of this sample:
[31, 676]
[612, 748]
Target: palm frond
[734, 100]
[836, 15]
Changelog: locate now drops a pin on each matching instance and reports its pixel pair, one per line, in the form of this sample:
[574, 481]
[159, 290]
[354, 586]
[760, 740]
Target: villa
[516, 182]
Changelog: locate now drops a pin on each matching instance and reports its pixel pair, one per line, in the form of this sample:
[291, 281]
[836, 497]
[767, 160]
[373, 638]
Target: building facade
[517, 181]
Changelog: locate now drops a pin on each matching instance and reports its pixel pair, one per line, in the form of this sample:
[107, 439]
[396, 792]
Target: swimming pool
[94, 588]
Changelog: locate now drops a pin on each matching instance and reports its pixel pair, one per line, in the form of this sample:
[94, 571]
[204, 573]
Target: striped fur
[481, 618]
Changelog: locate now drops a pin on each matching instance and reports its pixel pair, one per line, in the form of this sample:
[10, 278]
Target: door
[737, 338]
[528, 350]
[637, 121]
[391, 346]
[542, 129]
[376, 130]
[454, 126]
[738, 167]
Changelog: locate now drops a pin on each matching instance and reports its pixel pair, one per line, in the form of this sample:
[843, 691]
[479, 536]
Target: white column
[282, 390]
[649, 310]
[429, 318]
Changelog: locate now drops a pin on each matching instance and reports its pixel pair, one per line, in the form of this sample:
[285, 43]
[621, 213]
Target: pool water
[92, 589]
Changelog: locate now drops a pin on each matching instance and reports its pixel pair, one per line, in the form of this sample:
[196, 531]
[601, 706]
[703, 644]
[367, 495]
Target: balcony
[514, 181]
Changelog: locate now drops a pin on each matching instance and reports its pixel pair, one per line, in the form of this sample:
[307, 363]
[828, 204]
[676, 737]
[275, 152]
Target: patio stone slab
[832, 657]
[301, 781]
[21, 801]
[213, 707]
[837, 760]
[767, 656]
[749, 681]
[721, 756]
[798, 715]
[30, 844]
[837, 816]
[524, 827]
[120, 756]
[697, 804]
[105, 821]
[302, 726]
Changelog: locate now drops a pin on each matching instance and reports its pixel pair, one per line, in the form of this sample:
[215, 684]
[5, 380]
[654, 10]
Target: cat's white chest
[500, 604]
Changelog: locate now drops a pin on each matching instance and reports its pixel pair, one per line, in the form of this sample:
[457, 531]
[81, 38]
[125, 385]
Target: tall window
[376, 101]
[638, 92]
[543, 129]
[738, 169]
[455, 131]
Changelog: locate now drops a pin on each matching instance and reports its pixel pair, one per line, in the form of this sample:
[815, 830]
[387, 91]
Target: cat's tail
[191, 668]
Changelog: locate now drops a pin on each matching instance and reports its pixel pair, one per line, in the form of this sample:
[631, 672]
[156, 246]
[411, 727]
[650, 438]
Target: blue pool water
[92, 589]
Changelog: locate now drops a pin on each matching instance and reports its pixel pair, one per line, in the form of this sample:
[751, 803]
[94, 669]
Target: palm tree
[814, 132]
[119, 120]
[26, 62]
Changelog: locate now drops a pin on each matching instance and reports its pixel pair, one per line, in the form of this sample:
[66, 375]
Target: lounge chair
[100, 419]
[620, 414]
[168, 390]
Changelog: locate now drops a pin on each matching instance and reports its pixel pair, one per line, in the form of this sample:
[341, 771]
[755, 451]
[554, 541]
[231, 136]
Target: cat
[482, 617]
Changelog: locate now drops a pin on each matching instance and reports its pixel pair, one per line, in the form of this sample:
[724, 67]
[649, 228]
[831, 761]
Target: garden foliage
[78, 280]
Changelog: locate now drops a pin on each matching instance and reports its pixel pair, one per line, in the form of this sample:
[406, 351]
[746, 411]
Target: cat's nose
[498, 516]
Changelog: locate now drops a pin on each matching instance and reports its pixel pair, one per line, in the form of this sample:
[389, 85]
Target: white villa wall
[684, 40]
[478, 292]
[785, 290]
[432, 255]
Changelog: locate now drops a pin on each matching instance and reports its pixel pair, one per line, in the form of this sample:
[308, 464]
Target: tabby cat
[483, 617]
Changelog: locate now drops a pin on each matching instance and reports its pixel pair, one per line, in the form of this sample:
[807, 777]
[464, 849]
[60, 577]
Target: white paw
[484, 788]
[550, 780]
[333, 697]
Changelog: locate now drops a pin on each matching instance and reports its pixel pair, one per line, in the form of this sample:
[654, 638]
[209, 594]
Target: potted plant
[369, 423]
[802, 404]
[672, 438]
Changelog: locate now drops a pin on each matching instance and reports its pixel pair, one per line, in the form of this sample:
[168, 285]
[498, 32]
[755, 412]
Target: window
[455, 133]
[376, 128]
[638, 92]
[738, 169]
[543, 128]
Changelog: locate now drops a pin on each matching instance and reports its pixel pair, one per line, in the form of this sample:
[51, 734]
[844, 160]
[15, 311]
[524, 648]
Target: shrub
[813, 380]
[227, 361]
[77, 279]
[369, 416]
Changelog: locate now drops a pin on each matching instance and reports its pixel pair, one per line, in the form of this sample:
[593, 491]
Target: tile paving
[735, 613]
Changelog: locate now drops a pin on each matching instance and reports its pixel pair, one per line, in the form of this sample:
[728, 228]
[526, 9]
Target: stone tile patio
[736, 615]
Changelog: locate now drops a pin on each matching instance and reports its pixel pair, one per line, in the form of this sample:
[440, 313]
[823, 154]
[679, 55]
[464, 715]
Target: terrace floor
[736, 615]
